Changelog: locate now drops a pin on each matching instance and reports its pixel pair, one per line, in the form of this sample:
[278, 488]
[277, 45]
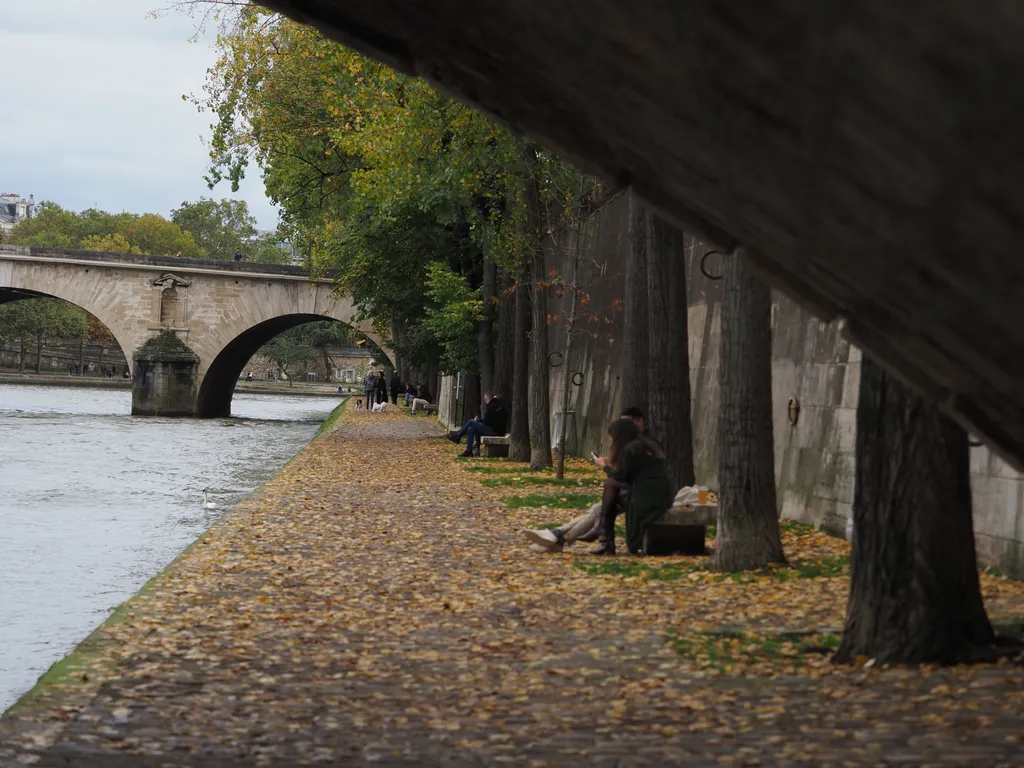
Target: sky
[91, 113]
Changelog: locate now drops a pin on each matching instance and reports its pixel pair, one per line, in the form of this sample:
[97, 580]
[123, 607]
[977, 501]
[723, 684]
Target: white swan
[208, 504]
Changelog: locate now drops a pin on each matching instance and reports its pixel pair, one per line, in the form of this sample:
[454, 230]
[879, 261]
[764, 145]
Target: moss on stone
[166, 346]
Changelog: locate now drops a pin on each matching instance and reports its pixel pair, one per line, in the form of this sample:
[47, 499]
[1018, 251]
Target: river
[94, 502]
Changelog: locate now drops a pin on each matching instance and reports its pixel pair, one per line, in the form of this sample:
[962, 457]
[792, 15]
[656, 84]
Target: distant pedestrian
[382, 388]
[248, 376]
[369, 387]
[396, 387]
[238, 255]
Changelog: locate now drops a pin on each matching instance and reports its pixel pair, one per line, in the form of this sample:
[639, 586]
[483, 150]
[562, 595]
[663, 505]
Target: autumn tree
[153, 234]
[748, 525]
[219, 227]
[914, 590]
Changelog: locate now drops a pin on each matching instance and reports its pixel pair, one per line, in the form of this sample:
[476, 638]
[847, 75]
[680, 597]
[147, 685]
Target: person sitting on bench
[423, 399]
[639, 462]
[614, 498]
[493, 422]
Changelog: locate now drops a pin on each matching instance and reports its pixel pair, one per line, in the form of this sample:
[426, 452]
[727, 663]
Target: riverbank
[299, 389]
[375, 602]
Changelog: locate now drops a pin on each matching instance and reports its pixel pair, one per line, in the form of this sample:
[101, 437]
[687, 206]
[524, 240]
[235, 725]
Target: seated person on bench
[494, 422]
[423, 398]
[614, 497]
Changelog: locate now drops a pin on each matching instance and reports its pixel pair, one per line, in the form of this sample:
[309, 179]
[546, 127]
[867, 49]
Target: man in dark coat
[396, 387]
[493, 422]
[382, 388]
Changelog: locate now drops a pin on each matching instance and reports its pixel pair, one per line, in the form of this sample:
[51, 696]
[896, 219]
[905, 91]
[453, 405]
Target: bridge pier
[166, 377]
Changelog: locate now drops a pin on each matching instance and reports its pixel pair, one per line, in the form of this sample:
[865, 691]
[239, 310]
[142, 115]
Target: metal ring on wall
[554, 364]
[703, 266]
[577, 379]
[793, 411]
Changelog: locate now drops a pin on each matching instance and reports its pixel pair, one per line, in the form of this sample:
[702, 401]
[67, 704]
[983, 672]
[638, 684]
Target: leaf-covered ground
[377, 602]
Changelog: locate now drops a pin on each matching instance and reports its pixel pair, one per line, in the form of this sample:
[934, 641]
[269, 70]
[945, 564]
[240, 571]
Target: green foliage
[522, 481]
[452, 316]
[220, 227]
[55, 227]
[399, 188]
[153, 234]
[561, 501]
[114, 243]
[294, 350]
[291, 354]
[32, 320]
[828, 567]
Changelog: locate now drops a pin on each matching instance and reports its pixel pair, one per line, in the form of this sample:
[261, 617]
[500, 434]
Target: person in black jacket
[396, 387]
[494, 422]
[382, 388]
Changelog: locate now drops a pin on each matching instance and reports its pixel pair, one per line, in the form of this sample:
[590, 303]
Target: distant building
[14, 208]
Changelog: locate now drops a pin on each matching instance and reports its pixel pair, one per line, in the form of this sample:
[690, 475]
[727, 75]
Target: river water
[94, 502]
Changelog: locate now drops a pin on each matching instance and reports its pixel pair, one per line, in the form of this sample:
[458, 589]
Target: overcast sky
[91, 111]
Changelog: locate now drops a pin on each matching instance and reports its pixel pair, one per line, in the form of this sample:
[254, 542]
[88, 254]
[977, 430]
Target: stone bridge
[222, 312]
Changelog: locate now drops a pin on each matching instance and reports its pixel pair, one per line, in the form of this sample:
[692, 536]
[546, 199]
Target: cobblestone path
[374, 604]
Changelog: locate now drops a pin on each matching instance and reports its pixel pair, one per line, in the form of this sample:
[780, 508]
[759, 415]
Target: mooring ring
[793, 411]
[703, 266]
[577, 379]
[551, 361]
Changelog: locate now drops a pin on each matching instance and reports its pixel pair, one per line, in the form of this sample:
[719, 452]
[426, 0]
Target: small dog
[359, 405]
[379, 407]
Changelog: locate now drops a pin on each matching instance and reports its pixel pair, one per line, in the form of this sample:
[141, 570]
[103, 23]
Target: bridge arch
[222, 373]
[121, 335]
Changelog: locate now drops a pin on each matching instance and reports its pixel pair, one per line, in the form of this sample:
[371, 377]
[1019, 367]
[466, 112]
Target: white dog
[379, 407]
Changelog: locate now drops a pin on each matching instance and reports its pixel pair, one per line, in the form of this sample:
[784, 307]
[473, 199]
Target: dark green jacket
[651, 493]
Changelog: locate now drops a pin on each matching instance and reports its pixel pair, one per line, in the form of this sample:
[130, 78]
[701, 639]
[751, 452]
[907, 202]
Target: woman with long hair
[639, 462]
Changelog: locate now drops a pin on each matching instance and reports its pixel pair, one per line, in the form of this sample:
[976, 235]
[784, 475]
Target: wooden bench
[494, 446]
[680, 530]
[427, 409]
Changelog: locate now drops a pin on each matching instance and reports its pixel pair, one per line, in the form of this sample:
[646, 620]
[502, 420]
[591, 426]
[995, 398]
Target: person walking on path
[382, 388]
[396, 387]
[493, 422]
[639, 462]
[369, 386]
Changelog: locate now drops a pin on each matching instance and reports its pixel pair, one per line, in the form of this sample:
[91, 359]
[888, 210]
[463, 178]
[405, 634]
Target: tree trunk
[81, 357]
[748, 524]
[519, 423]
[21, 358]
[39, 354]
[635, 357]
[327, 365]
[504, 347]
[668, 413]
[914, 592]
[485, 329]
[540, 398]
[570, 329]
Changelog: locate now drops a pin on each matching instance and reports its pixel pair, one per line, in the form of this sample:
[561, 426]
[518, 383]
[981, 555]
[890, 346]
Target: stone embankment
[376, 603]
